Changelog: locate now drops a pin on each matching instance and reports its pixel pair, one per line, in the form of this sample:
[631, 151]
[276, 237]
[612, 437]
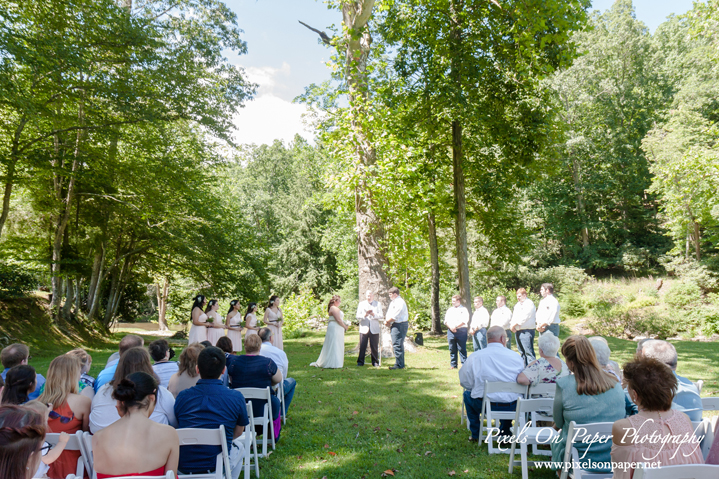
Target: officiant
[369, 312]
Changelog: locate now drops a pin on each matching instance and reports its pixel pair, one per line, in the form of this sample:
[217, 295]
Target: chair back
[259, 393]
[577, 432]
[542, 389]
[208, 437]
[710, 404]
[167, 475]
[525, 406]
[73, 444]
[684, 471]
[502, 387]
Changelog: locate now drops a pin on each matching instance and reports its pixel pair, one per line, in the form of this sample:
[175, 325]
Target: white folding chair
[86, 452]
[576, 433]
[492, 416]
[684, 471]
[249, 439]
[699, 384]
[710, 404]
[266, 419]
[207, 437]
[167, 475]
[73, 444]
[546, 390]
[527, 434]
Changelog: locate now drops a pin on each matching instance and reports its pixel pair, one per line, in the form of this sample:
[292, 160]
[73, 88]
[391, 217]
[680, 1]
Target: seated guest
[713, 456]
[135, 445]
[493, 363]
[164, 368]
[225, 344]
[603, 354]
[687, 395]
[50, 453]
[601, 349]
[651, 384]
[186, 375]
[107, 374]
[254, 371]
[20, 382]
[640, 346]
[207, 405]
[87, 382]
[589, 395]
[15, 355]
[280, 358]
[22, 433]
[548, 368]
[70, 411]
[104, 411]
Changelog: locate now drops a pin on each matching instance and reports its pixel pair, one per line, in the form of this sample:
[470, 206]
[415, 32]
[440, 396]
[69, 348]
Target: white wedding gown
[333, 350]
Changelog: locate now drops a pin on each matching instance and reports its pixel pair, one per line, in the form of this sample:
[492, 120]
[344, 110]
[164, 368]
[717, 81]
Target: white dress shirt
[501, 317]
[456, 316]
[165, 370]
[548, 311]
[369, 324]
[277, 355]
[524, 316]
[103, 411]
[493, 363]
[480, 318]
[398, 310]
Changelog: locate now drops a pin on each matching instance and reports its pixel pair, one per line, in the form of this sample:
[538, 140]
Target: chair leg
[525, 466]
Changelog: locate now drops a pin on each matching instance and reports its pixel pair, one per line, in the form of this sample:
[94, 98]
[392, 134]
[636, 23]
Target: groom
[369, 312]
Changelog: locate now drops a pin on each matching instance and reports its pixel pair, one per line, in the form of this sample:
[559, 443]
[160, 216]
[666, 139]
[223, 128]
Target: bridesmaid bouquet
[210, 319]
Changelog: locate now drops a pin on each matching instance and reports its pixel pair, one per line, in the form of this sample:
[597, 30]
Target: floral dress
[542, 371]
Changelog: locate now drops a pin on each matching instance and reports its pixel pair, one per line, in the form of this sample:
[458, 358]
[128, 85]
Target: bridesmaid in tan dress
[273, 319]
[232, 322]
[251, 320]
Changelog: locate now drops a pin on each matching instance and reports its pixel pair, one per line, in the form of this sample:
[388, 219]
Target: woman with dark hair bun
[216, 328]
[233, 322]
[135, 444]
[19, 383]
[22, 432]
[198, 330]
[251, 320]
[273, 319]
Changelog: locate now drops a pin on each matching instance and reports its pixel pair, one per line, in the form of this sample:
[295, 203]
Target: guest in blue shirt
[207, 405]
[15, 355]
[686, 398]
[254, 371]
[161, 354]
[106, 375]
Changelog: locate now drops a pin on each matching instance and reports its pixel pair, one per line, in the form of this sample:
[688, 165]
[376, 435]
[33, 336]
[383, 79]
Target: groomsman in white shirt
[369, 312]
[398, 322]
[548, 311]
[502, 317]
[457, 320]
[523, 324]
[479, 325]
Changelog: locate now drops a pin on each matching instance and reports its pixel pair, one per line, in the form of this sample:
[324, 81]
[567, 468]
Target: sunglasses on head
[63, 419]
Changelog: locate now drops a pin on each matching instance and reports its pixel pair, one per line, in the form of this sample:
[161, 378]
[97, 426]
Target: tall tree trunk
[10, 172]
[460, 205]
[371, 260]
[64, 215]
[434, 284]
[697, 242]
[576, 177]
[92, 289]
[69, 297]
[162, 293]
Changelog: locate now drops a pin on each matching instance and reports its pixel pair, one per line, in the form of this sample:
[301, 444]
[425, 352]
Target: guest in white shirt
[493, 363]
[457, 319]
[479, 325]
[397, 321]
[369, 312]
[502, 317]
[548, 311]
[103, 411]
[164, 368]
[280, 358]
[523, 324]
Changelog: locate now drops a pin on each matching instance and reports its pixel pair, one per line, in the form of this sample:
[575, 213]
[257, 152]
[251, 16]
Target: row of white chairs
[192, 437]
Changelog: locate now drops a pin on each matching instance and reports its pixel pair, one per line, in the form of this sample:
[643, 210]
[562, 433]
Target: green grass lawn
[359, 422]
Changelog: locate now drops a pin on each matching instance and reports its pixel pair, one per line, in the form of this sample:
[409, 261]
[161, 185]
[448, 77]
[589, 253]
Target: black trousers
[373, 345]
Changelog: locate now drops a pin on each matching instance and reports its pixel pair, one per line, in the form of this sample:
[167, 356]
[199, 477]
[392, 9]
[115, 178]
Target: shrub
[15, 282]
[566, 279]
[298, 309]
[682, 294]
[710, 321]
[573, 306]
[653, 325]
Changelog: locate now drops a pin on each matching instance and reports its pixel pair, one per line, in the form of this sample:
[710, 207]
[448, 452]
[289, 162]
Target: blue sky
[284, 57]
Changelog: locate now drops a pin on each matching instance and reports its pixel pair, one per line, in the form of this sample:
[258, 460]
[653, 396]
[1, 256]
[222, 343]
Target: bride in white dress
[333, 350]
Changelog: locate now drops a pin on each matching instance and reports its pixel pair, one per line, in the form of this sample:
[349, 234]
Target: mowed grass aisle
[359, 422]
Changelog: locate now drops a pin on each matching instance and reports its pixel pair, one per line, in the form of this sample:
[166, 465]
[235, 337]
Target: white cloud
[269, 117]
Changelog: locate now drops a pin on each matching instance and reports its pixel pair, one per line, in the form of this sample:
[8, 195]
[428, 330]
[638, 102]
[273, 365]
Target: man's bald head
[496, 334]
[661, 351]
[130, 341]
